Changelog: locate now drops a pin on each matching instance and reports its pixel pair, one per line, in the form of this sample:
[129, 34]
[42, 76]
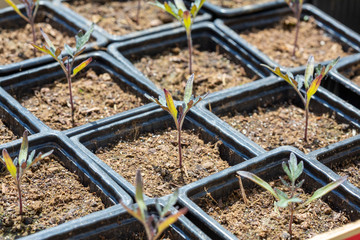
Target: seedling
[67, 62]
[154, 225]
[18, 167]
[138, 11]
[31, 7]
[311, 84]
[168, 105]
[296, 7]
[293, 170]
[186, 17]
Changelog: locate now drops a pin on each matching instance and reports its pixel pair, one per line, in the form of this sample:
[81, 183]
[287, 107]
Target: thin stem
[291, 218]
[33, 33]
[306, 123]
[189, 40]
[138, 11]
[298, 14]
[20, 198]
[68, 76]
[179, 145]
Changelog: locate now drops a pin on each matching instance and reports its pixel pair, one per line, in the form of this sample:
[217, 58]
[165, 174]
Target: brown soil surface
[120, 17]
[156, 155]
[51, 195]
[213, 71]
[277, 42]
[350, 168]
[258, 220]
[353, 73]
[283, 124]
[16, 39]
[6, 134]
[237, 3]
[96, 96]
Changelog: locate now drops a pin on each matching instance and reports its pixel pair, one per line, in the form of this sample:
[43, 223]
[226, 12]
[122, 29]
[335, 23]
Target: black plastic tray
[203, 16]
[58, 19]
[150, 121]
[116, 223]
[266, 92]
[268, 167]
[24, 81]
[332, 27]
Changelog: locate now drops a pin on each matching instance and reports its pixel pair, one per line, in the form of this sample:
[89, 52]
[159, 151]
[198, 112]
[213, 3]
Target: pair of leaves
[165, 218]
[29, 4]
[180, 12]
[293, 171]
[18, 167]
[81, 40]
[188, 102]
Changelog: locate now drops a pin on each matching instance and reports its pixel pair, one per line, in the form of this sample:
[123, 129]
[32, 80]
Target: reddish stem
[20, 198]
[306, 123]
[138, 11]
[180, 150]
[68, 76]
[34, 35]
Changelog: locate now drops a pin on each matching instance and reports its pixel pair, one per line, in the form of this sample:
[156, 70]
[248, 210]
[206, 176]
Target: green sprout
[293, 170]
[67, 62]
[31, 7]
[185, 16]
[18, 167]
[296, 7]
[168, 105]
[310, 83]
[154, 225]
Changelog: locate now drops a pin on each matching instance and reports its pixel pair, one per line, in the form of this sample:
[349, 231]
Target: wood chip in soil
[237, 3]
[352, 73]
[120, 17]
[6, 134]
[277, 42]
[258, 220]
[349, 167]
[96, 96]
[51, 195]
[156, 155]
[16, 39]
[283, 124]
[213, 71]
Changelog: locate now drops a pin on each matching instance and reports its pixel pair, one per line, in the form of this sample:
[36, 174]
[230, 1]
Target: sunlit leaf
[24, 149]
[9, 163]
[188, 89]
[168, 221]
[187, 20]
[82, 39]
[40, 156]
[286, 77]
[258, 181]
[81, 66]
[309, 71]
[170, 104]
[324, 190]
[170, 203]
[16, 9]
[139, 194]
[180, 5]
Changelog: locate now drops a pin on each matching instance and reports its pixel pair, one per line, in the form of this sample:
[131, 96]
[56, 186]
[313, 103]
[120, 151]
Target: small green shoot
[18, 167]
[185, 16]
[154, 225]
[293, 170]
[296, 7]
[67, 62]
[31, 7]
[310, 83]
[168, 105]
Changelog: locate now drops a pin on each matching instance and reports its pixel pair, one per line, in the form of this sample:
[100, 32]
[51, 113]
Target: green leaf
[286, 77]
[139, 197]
[324, 190]
[168, 221]
[258, 181]
[309, 71]
[9, 163]
[82, 39]
[81, 66]
[170, 203]
[188, 89]
[49, 43]
[16, 9]
[170, 104]
[24, 149]
[40, 156]
[68, 50]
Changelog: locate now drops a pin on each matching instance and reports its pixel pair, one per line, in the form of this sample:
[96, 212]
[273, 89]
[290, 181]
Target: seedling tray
[149, 122]
[203, 16]
[22, 83]
[56, 17]
[204, 34]
[333, 28]
[268, 92]
[268, 167]
[76, 162]
[116, 223]
[341, 85]
[223, 12]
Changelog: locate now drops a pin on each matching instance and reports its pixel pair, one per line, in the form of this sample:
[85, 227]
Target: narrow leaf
[170, 104]
[309, 71]
[180, 5]
[39, 157]
[139, 197]
[168, 221]
[9, 163]
[24, 149]
[45, 50]
[68, 50]
[188, 89]
[16, 9]
[171, 202]
[132, 212]
[81, 66]
[324, 190]
[48, 41]
[82, 39]
[286, 77]
[187, 20]
[258, 181]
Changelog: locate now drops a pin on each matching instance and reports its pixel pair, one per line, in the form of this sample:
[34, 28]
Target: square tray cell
[223, 187]
[266, 113]
[55, 23]
[103, 89]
